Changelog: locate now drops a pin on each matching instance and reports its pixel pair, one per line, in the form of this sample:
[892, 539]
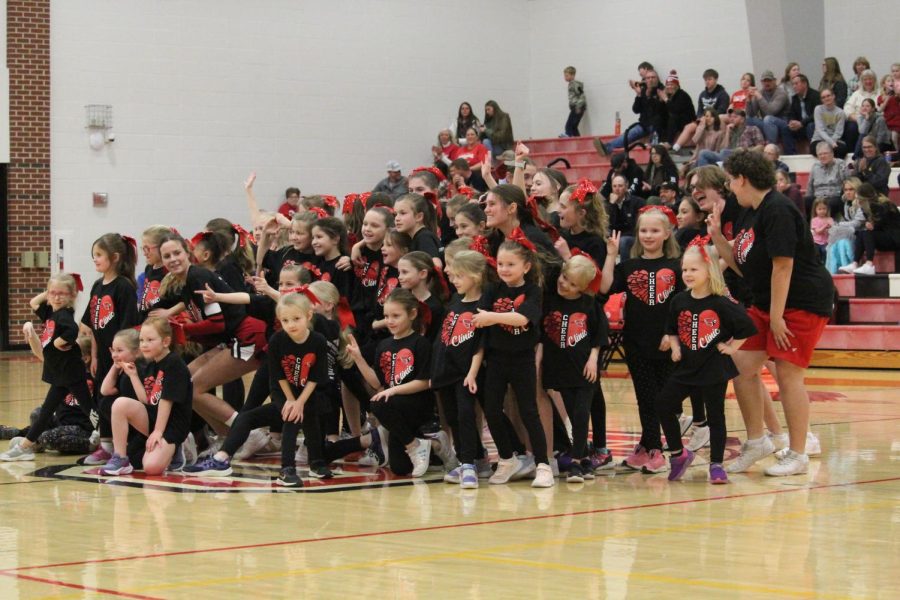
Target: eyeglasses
[148, 248]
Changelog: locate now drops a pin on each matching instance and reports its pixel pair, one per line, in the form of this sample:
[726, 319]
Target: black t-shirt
[197, 280]
[366, 276]
[344, 281]
[589, 243]
[435, 318]
[331, 331]
[426, 241]
[263, 308]
[275, 260]
[150, 297]
[731, 214]
[648, 284]
[685, 236]
[298, 364]
[61, 367]
[70, 413]
[112, 308]
[525, 300]
[231, 273]
[570, 330]
[777, 229]
[457, 343]
[402, 361]
[700, 325]
[169, 379]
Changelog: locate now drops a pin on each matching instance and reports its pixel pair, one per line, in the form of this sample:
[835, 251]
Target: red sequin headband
[665, 210]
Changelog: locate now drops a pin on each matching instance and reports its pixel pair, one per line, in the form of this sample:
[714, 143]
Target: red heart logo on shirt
[151, 294]
[309, 359]
[553, 327]
[288, 367]
[638, 285]
[743, 244]
[665, 284]
[404, 362]
[708, 328]
[577, 329]
[457, 328]
[386, 286]
[155, 394]
[505, 305]
[103, 311]
[385, 363]
[685, 319]
[367, 274]
[47, 333]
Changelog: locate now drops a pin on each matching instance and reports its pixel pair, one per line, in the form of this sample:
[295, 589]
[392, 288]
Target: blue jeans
[760, 123]
[708, 157]
[635, 134]
[775, 126]
[625, 244]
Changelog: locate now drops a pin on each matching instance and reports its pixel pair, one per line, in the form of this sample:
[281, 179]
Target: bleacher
[865, 329]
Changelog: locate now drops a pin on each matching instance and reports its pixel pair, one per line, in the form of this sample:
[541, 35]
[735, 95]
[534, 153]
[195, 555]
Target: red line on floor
[352, 536]
[77, 586]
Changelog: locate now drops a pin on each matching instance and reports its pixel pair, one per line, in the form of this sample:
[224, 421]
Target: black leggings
[697, 410]
[270, 414]
[868, 241]
[578, 404]
[520, 373]
[402, 416]
[459, 409]
[56, 395]
[648, 378]
[598, 418]
[668, 403]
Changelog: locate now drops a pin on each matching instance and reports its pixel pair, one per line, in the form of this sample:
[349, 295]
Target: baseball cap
[767, 75]
[393, 165]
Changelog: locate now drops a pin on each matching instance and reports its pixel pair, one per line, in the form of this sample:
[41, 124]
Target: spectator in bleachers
[887, 90]
[737, 135]
[800, 124]
[690, 218]
[660, 170]
[461, 174]
[577, 102]
[868, 88]
[627, 168]
[828, 119]
[766, 105]
[497, 133]
[833, 79]
[465, 119]
[712, 96]
[892, 113]
[473, 151]
[790, 189]
[860, 65]
[740, 98]
[872, 124]
[622, 207]
[872, 167]
[395, 184]
[881, 231]
[787, 82]
[773, 153]
[825, 180]
[679, 108]
[651, 110]
[670, 195]
[445, 151]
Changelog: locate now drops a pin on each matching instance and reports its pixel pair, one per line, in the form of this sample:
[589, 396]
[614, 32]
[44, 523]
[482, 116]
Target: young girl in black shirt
[416, 273]
[705, 327]
[63, 367]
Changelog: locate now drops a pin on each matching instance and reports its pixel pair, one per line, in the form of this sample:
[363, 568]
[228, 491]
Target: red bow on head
[78, 285]
[481, 245]
[466, 191]
[319, 212]
[349, 200]
[243, 234]
[518, 236]
[303, 289]
[130, 241]
[178, 335]
[203, 235]
[390, 209]
[435, 202]
[364, 198]
[313, 270]
[433, 170]
[550, 230]
[424, 316]
[665, 210]
[701, 242]
[585, 187]
[331, 201]
[594, 285]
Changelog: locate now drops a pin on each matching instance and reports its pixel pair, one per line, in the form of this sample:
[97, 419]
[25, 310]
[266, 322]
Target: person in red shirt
[291, 202]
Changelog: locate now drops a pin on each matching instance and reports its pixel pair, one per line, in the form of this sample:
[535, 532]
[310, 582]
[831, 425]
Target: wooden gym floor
[832, 533]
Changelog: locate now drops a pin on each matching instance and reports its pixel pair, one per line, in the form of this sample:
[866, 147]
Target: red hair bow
[466, 191]
[433, 170]
[594, 285]
[178, 335]
[78, 285]
[130, 241]
[425, 316]
[550, 230]
[665, 210]
[518, 236]
[203, 235]
[243, 234]
[701, 242]
[435, 202]
[480, 244]
[349, 200]
[303, 289]
[585, 187]
[331, 201]
[313, 270]
[364, 198]
[319, 212]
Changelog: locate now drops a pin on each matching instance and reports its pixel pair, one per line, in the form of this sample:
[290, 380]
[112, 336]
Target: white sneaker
[543, 477]
[301, 457]
[454, 475]
[256, 441]
[848, 268]
[751, 451]
[779, 440]
[445, 450]
[484, 468]
[368, 459]
[506, 468]
[554, 467]
[813, 446]
[684, 421]
[699, 438]
[17, 452]
[526, 467]
[866, 269]
[469, 478]
[273, 445]
[420, 455]
[793, 463]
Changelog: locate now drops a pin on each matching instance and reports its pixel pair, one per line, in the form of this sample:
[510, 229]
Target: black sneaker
[320, 472]
[586, 469]
[8, 433]
[289, 478]
[575, 475]
[601, 148]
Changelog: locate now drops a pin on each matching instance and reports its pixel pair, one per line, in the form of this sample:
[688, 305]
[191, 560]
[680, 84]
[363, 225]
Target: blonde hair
[162, 327]
[293, 300]
[580, 270]
[302, 273]
[130, 337]
[671, 249]
[717, 285]
[326, 291]
[85, 343]
[65, 279]
[155, 233]
[471, 264]
[456, 246]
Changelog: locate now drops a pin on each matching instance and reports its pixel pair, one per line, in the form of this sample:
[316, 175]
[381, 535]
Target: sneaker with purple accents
[117, 465]
[602, 460]
[209, 467]
[679, 464]
[717, 474]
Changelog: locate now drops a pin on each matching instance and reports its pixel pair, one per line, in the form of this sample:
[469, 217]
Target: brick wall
[28, 58]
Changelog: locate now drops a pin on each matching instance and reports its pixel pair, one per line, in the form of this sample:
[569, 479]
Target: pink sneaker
[97, 457]
[637, 459]
[656, 463]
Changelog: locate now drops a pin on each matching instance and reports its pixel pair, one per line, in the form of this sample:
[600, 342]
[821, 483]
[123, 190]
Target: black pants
[598, 418]
[103, 404]
[867, 241]
[269, 415]
[572, 122]
[697, 410]
[56, 395]
[402, 416]
[459, 409]
[578, 404]
[520, 373]
[668, 403]
[648, 378]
